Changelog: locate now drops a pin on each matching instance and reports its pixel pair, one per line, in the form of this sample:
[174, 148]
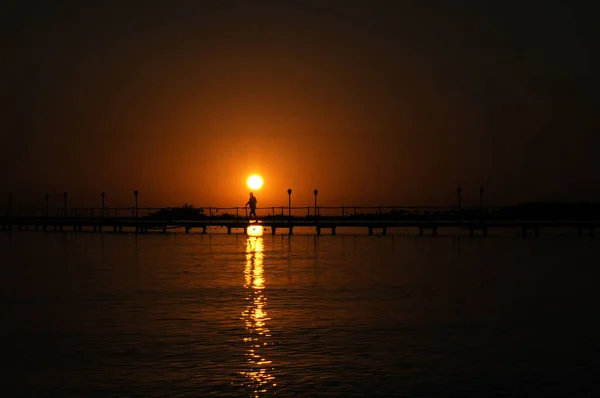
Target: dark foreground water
[230, 315]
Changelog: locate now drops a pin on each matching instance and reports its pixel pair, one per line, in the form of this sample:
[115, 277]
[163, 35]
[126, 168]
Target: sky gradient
[373, 103]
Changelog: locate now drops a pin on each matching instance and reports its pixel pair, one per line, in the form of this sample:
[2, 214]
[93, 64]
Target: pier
[321, 220]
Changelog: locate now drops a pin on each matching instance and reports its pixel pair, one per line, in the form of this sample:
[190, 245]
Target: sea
[257, 315]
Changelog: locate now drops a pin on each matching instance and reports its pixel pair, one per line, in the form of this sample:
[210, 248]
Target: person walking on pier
[252, 203]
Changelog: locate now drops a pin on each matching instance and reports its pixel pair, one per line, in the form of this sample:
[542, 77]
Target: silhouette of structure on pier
[583, 217]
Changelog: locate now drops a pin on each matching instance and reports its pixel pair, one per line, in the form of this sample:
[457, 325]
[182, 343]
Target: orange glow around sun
[254, 181]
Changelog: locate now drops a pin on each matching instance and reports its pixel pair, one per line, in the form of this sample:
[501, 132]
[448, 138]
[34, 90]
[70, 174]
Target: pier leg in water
[273, 230]
[204, 229]
[370, 230]
[333, 230]
[318, 230]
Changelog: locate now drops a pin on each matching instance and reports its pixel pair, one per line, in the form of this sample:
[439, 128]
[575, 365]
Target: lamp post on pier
[289, 203]
[65, 204]
[102, 195]
[136, 193]
[481, 199]
[316, 192]
[459, 193]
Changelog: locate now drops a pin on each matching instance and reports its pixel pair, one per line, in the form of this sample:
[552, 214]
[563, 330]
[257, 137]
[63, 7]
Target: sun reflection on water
[259, 370]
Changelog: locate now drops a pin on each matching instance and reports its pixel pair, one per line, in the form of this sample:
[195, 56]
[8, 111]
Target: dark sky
[374, 103]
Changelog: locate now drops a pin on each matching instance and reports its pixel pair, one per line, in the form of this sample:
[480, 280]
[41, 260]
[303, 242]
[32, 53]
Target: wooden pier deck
[381, 224]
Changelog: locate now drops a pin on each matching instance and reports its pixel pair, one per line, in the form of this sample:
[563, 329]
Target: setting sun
[254, 181]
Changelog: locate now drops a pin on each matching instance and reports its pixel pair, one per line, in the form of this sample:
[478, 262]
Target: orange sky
[370, 104]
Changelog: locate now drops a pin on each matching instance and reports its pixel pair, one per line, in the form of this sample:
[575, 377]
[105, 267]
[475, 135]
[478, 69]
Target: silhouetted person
[252, 203]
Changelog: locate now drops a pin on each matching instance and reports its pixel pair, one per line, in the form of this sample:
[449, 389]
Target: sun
[254, 181]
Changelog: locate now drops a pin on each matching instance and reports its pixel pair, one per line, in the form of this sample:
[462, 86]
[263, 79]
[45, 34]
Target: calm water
[232, 315]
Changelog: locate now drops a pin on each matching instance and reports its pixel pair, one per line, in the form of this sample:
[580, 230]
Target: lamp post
[65, 204]
[102, 195]
[459, 193]
[481, 200]
[290, 203]
[136, 193]
[316, 192]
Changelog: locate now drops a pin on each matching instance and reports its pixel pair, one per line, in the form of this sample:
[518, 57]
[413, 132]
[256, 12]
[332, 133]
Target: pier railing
[282, 213]
[272, 212]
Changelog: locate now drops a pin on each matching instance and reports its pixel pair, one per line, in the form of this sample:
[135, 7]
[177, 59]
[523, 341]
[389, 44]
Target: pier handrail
[263, 212]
